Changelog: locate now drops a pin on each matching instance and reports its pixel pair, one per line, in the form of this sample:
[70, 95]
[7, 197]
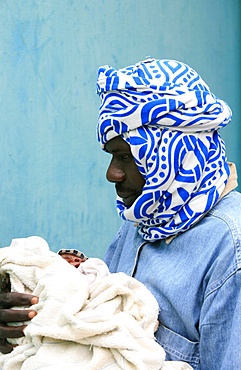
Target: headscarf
[170, 118]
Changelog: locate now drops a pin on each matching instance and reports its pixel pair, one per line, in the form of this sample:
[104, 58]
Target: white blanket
[109, 325]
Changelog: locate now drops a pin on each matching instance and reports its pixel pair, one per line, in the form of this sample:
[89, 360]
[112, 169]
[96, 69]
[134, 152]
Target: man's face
[123, 171]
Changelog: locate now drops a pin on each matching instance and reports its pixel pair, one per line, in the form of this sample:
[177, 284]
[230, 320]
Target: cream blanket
[108, 325]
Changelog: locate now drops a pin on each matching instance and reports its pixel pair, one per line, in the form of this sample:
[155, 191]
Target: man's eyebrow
[115, 151]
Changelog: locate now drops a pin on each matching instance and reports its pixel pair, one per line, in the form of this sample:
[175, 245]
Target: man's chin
[128, 201]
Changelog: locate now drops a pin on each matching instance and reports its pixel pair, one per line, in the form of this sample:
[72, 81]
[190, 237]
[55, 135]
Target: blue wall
[52, 171]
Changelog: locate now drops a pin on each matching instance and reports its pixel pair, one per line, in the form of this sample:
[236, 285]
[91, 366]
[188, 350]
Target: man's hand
[8, 315]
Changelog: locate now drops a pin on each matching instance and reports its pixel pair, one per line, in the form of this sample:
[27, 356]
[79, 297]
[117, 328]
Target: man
[181, 232]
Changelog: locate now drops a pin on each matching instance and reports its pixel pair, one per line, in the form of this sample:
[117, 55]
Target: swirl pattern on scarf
[170, 119]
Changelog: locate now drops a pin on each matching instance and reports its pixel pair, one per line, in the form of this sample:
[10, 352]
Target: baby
[86, 317]
[92, 268]
[73, 256]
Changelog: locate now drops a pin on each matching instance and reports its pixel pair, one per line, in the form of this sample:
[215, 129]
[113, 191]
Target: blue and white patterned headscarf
[169, 117]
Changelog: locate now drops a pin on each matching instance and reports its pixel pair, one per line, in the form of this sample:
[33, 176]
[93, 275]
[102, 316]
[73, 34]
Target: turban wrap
[170, 118]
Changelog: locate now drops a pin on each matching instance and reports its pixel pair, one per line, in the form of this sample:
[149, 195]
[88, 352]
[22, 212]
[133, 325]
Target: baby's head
[73, 256]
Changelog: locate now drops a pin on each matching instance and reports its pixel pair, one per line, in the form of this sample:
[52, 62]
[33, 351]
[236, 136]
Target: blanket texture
[109, 324]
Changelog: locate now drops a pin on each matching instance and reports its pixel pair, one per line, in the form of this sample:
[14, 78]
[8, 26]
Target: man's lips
[128, 198]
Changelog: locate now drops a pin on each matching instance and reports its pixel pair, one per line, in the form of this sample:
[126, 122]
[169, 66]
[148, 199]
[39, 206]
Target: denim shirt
[196, 279]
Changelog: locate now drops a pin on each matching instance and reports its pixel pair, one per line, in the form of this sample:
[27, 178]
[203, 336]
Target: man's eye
[125, 156]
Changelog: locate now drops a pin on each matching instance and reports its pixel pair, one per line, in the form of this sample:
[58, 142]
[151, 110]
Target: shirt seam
[234, 231]
[215, 286]
[180, 355]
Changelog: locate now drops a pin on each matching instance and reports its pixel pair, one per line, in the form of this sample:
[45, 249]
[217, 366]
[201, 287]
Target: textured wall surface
[52, 171]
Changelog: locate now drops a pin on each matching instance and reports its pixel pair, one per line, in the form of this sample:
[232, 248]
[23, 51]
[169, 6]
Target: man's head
[160, 117]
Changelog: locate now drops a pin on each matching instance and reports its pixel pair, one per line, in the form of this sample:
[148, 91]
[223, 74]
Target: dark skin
[7, 315]
[123, 171]
[128, 183]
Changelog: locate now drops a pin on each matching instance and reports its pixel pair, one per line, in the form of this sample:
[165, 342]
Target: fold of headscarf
[170, 118]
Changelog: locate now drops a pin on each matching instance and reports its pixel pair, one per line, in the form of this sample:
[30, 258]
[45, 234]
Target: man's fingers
[5, 347]
[11, 331]
[8, 316]
[8, 300]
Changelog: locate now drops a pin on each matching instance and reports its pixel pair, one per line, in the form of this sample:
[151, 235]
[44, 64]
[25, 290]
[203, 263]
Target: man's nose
[115, 173]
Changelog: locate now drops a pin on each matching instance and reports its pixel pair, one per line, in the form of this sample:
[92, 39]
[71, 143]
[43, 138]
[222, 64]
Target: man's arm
[220, 326]
[8, 315]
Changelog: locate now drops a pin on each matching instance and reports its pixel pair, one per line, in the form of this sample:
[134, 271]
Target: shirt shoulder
[228, 206]
[226, 220]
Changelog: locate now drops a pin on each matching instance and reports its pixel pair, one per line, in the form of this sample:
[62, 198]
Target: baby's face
[72, 259]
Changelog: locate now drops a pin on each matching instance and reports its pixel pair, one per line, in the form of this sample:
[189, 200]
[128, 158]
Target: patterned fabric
[169, 117]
